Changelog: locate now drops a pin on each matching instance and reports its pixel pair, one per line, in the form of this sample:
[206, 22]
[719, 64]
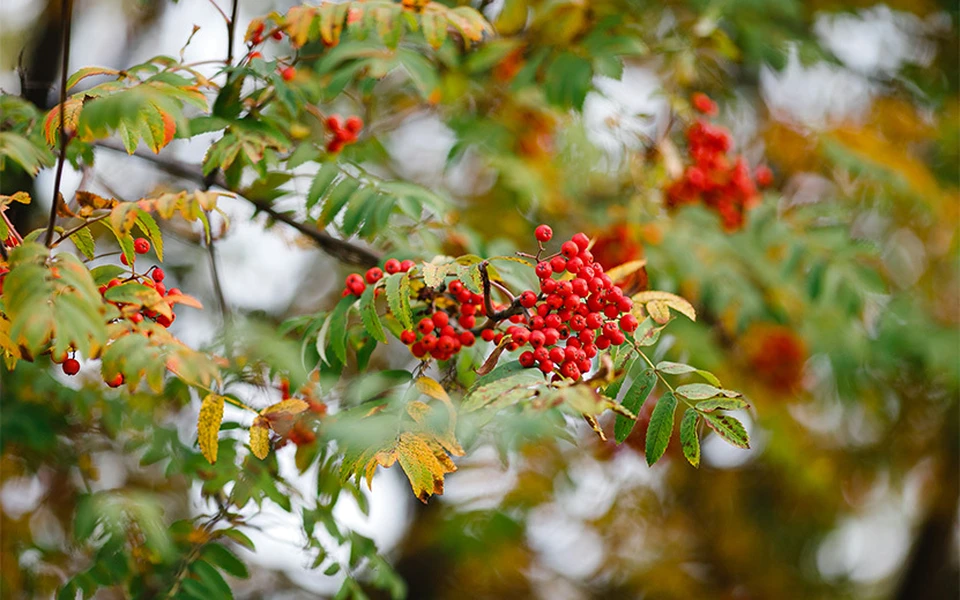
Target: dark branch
[494, 317]
[231, 28]
[340, 249]
[66, 20]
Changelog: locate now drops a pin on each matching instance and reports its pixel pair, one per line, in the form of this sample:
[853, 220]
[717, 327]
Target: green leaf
[338, 327]
[505, 384]
[699, 391]
[673, 368]
[320, 184]
[368, 314]
[83, 240]
[721, 404]
[689, 441]
[568, 79]
[648, 333]
[211, 579]
[398, 298]
[433, 275]
[632, 401]
[104, 273]
[221, 557]
[728, 428]
[660, 428]
[147, 224]
[357, 208]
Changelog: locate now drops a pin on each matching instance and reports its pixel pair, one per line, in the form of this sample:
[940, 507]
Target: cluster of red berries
[442, 334]
[587, 313]
[257, 36]
[356, 284]
[716, 179]
[344, 132]
[156, 282]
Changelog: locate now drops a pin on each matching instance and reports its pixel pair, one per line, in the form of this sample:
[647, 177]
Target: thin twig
[231, 28]
[340, 249]
[66, 19]
[83, 225]
[226, 19]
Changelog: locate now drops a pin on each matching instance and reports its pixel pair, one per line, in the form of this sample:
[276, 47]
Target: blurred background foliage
[834, 308]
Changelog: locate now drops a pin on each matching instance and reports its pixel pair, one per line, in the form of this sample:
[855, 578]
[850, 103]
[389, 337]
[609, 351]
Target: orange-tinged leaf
[124, 216]
[208, 426]
[71, 114]
[89, 72]
[184, 299]
[260, 438]
[94, 202]
[668, 300]
[280, 416]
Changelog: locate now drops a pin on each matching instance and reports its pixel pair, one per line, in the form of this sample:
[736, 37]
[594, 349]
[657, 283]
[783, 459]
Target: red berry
[440, 319]
[254, 55]
[258, 30]
[764, 176]
[584, 365]
[580, 287]
[257, 38]
[374, 275]
[467, 321]
[284, 389]
[406, 265]
[123, 259]
[288, 73]
[537, 338]
[704, 104]
[543, 233]
[569, 249]
[408, 337]
[357, 288]
[334, 122]
[581, 240]
[528, 299]
[391, 266]
[429, 342]
[161, 289]
[71, 366]
[526, 359]
[425, 326]
[445, 344]
[629, 323]
[543, 270]
[418, 350]
[570, 369]
[546, 366]
[548, 286]
[353, 124]
[116, 381]
[487, 335]
[467, 338]
[165, 321]
[158, 274]
[277, 35]
[558, 264]
[557, 354]
[574, 264]
[136, 318]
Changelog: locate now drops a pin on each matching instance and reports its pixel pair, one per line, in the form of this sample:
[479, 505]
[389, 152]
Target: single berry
[704, 104]
[764, 176]
[440, 319]
[288, 73]
[408, 337]
[543, 233]
[165, 321]
[526, 359]
[467, 338]
[425, 326]
[391, 266]
[116, 381]
[406, 265]
[528, 299]
[254, 55]
[123, 259]
[543, 270]
[277, 35]
[581, 240]
[429, 342]
[487, 335]
[334, 122]
[558, 264]
[546, 366]
[353, 124]
[71, 366]
[629, 323]
[161, 289]
[374, 275]
[569, 249]
[158, 274]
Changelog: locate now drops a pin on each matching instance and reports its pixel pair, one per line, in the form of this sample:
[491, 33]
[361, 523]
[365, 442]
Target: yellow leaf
[432, 388]
[208, 426]
[620, 272]
[260, 438]
[673, 301]
[423, 467]
[659, 311]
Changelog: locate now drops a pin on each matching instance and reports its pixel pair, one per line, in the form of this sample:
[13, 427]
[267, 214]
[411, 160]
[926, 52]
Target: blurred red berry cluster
[715, 178]
[344, 132]
[356, 284]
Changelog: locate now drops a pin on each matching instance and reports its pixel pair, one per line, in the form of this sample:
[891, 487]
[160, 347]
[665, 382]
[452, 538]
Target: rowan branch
[340, 249]
[66, 20]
